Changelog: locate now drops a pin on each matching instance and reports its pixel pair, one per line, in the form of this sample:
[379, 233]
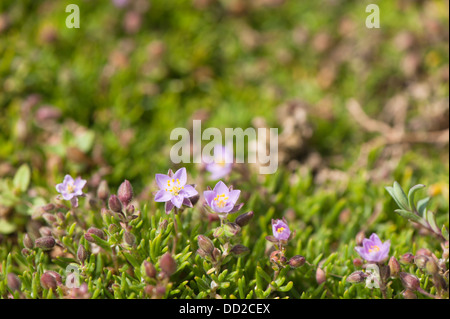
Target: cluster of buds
[120, 204]
[156, 282]
[281, 235]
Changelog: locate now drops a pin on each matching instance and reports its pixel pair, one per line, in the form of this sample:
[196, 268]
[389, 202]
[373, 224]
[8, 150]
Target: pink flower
[221, 199]
[373, 250]
[221, 164]
[281, 229]
[70, 189]
[173, 189]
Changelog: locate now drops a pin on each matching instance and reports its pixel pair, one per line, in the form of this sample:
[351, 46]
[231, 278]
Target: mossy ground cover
[356, 109]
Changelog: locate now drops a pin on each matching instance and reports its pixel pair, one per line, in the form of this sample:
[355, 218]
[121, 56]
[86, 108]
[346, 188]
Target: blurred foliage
[100, 102]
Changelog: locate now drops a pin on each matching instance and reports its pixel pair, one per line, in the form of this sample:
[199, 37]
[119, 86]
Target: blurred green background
[102, 100]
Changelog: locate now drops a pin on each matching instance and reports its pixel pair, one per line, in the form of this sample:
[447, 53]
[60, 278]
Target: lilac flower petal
[209, 197]
[375, 239]
[181, 175]
[68, 179]
[189, 191]
[60, 188]
[177, 200]
[162, 180]
[234, 195]
[221, 188]
[163, 196]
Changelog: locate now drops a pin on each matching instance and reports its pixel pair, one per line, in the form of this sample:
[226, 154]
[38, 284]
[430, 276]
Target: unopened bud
[421, 261]
[13, 282]
[93, 231]
[130, 210]
[394, 266]
[168, 264]
[356, 277]
[81, 254]
[231, 229]
[49, 218]
[297, 261]
[45, 243]
[202, 253]
[357, 262]
[239, 250]
[103, 190]
[409, 281]
[244, 219]
[423, 252]
[160, 291]
[129, 238]
[48, 281]
[149, 290]
[150, 270]
[48, 208]
[320, 276]
[205, 244]
[407, 258]
[45, 231]
[431, 267]
[216, 254]
[125, 193]
[409, 294]
[28, 242]
[114, 204]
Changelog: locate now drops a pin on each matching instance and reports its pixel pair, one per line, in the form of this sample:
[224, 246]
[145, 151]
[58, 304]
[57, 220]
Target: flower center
[70, 188]
[174, 187]
[374, 248]
[221, 200]
[280, 230]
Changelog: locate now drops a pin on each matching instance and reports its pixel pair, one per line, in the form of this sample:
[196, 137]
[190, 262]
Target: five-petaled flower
[220, 164]
[70, 189]
[373, 250]
[222, 200]
[173, 189]
[281, 229]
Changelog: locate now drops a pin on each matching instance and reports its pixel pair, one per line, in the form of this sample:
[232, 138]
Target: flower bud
[297, 261]
[431, 267]
[13, 282]
[28, 242]
[48, 208]
[421, 261]
[94, 231]
[409, 294]
[409, 281]
[407, 258]
[423, 252]
[205, 244]
[149, 290]
[129, 238]
[356, 277]
[125, 193]
[320, 276]
[218, 232]
[81, 253]
[48, 281]
[216, 254]
[168, 264]
[239, 250]
[45, 243]
[394, 266]
[357, 262]
[231, 229]
[49, 218]
[103, 190]
[114, 204]
[160, 291]
[45, 231]
[244, 219]
[130, 210]
[150, 270]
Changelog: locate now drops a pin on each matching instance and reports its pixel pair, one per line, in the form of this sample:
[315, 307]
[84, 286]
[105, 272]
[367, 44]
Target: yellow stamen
[374, 248]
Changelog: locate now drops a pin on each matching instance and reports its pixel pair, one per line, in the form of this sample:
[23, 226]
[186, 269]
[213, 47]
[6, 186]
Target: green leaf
[422, 206]
[431, 219]
[263, 274]
[401, 197]
[411, 193]
[22, 178]
[408, 215]
[287, 287]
